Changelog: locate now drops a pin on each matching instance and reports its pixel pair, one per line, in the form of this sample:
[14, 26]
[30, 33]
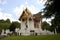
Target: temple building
[30, 24]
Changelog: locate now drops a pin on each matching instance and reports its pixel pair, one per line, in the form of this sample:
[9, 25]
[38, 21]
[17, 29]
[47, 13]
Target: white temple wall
[31, 25]
[23, 26]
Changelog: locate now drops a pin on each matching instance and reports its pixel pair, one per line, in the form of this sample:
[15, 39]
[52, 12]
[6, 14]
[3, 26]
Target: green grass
[40, 37]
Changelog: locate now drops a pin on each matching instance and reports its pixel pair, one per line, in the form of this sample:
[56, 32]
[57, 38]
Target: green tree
[8, 21]
[52, 8]
[55, 25]
[45, 25]
[4, 24]
[14, 25]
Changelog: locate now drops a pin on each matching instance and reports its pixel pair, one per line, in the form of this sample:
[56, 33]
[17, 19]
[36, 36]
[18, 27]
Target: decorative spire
[25, 14]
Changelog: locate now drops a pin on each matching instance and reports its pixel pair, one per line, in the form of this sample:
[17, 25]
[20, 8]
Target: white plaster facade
[26, 31]
[30, 30]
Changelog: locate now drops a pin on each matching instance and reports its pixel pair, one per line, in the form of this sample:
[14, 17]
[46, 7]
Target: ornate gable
[25, 14]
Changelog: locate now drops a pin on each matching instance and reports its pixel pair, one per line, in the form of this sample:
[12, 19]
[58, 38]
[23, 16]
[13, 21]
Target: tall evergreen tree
[53, 9]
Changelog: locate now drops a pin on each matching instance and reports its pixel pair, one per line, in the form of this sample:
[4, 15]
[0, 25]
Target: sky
[12, 9]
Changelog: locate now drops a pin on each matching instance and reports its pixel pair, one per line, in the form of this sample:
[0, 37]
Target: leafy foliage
[14, 25]
[45, 25]
[53, 9]
[4, 24]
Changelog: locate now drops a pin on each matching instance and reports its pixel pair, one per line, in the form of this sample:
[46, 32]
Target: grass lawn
[40, 37]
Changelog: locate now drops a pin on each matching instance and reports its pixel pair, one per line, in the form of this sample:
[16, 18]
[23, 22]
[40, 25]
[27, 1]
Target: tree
[14, 25]
[45, 25]
[8, 21]
[53, 9]
[55, 25]
[4, 24]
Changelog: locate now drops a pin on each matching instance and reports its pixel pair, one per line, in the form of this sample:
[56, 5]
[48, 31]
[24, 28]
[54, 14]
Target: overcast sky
[12, 9]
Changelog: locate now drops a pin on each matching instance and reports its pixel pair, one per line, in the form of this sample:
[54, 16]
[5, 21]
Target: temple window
[36, 25]
[23, 19]
[30, 19]
[26, 26]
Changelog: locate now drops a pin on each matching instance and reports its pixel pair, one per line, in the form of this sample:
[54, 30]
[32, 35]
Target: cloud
[41, 1]
[0, 9]
[33, 9]
[3, 2]
[6, 16]
[18, 10]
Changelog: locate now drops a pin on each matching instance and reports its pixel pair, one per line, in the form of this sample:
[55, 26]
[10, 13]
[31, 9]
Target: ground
[40, 37]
